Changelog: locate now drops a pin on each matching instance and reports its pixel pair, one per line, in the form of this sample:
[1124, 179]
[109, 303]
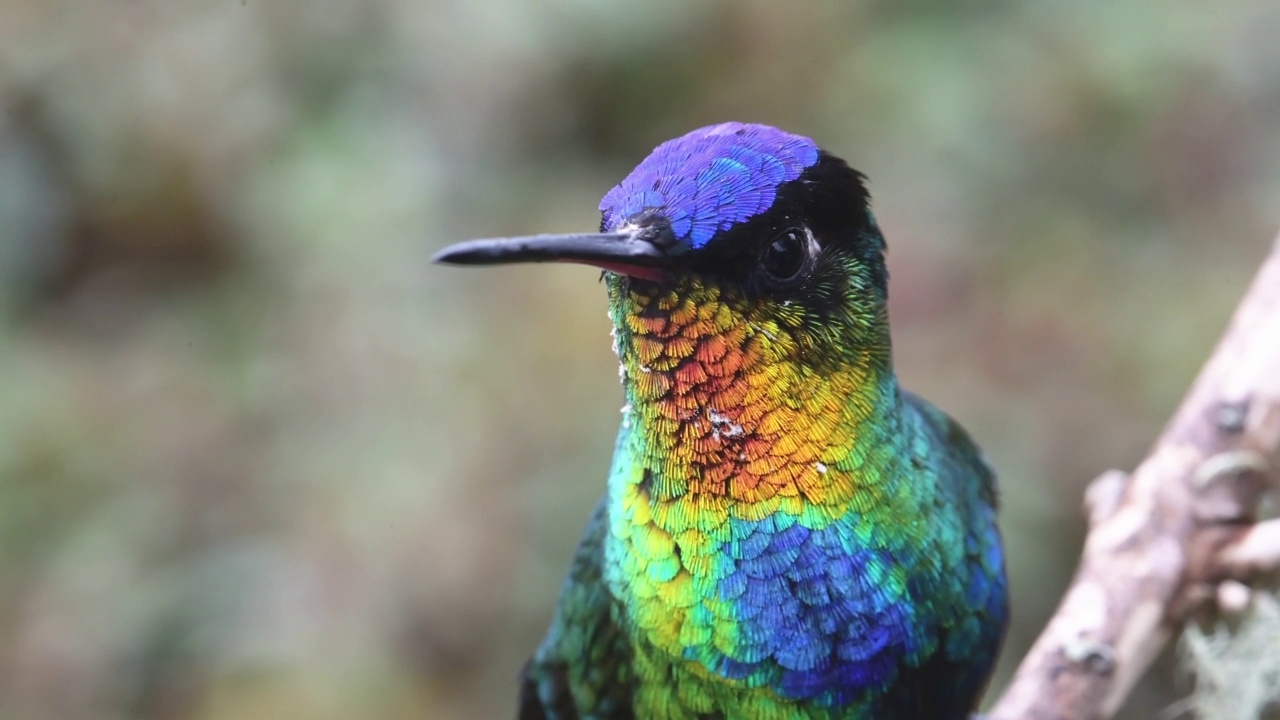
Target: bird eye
[786, 256]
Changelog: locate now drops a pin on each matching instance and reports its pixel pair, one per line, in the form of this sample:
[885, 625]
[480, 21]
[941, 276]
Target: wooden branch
[1162, 540]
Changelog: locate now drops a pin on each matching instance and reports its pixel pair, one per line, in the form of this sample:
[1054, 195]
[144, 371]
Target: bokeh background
[259, 459]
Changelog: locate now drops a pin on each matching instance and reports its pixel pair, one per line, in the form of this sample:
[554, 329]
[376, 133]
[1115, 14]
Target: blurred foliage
[259, 459]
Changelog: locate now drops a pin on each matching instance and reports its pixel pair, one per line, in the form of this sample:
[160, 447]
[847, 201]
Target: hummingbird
[785, 532]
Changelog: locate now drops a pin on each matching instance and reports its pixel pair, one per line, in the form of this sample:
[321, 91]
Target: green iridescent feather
[785, 534]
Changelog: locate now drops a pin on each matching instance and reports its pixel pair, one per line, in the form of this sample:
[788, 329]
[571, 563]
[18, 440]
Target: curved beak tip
[457, 254]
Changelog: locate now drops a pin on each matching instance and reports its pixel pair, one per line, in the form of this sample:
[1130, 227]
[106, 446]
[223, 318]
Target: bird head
[731, 230]
[747, 288]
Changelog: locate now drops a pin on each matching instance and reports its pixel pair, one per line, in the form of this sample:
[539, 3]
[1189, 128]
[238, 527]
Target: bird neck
[727, 408]
[734, 449]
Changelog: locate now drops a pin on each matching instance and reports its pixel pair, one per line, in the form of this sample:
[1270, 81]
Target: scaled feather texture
[785, 532]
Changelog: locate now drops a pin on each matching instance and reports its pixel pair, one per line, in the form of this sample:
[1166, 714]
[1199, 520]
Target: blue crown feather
[710, 179]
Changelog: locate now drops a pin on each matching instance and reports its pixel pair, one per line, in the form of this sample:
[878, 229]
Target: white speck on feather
[821, 468]
[765, 332]
[721, 425]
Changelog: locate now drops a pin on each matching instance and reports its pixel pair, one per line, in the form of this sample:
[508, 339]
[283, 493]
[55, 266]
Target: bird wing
[582, 669]
[967, 483]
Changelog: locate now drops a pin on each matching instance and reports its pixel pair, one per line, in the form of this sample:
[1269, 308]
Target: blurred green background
[259, 459]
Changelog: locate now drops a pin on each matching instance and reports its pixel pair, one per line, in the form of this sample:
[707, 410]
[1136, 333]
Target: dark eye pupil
[784, 259]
